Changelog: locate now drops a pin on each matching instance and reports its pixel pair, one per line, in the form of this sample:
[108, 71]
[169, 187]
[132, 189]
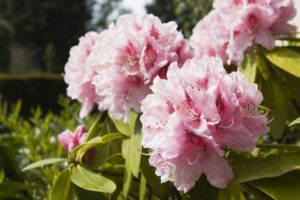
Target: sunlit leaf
[296, 121]
[143, 187]
[62, 188]
[92, 181]
[258, 168]
[286, 59]
[44, 162]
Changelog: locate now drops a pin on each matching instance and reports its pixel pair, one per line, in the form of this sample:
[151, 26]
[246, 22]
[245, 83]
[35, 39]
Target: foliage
[23, 141]
[40, 25]
[185, 13]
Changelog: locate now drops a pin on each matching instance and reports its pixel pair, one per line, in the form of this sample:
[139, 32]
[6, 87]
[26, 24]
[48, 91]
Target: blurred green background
[36, 35]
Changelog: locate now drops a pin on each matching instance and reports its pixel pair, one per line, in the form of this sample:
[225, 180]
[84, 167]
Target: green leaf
[122, 127]
[296, 121]
[135, 150]
[94, 128]
[44, 162]
[271, 166]
[62, 188]
[82, 194]
[285, 187]
[126, 128]
[277, 101]
[143, 187]
[256, 193]
[9, 190]
[263, 67]
[92, 181]
[232, 192]
[249, 66]
[286, 59]
[279, 146]
[127, 182]
[152, 179]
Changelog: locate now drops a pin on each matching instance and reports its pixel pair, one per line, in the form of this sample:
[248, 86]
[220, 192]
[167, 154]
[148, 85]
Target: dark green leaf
[62, 188]
[232, 192]
[92, 181]
[286, 59]
[285, 187]
[82, 194]
[152, 179]
[44, 162]
[271, 166]
[203, 190]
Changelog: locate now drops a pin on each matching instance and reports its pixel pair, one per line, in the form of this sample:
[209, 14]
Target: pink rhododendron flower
[79, 76]
[128, 56]
[193, 114]
[234, 25]
[70, 140]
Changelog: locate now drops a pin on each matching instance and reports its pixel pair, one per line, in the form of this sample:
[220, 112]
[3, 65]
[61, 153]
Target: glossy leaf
[92, 181]
[41, 163]
[285, 187]
[286, 59]
[258, 168]
[62, 188]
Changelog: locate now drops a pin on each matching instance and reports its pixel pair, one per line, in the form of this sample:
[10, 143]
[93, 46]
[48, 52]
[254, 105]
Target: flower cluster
[115, 68]
[234, 25]
[193, 115]
[70, 140]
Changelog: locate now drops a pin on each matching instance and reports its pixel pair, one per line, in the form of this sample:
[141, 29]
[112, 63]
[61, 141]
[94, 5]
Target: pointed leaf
[62, 188]
[296, 121]
[44, 162]
[92, 181]
[286, 59]
[271, 166]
